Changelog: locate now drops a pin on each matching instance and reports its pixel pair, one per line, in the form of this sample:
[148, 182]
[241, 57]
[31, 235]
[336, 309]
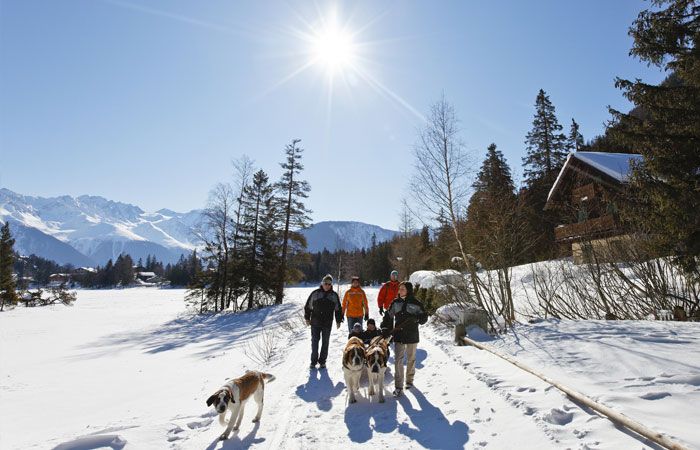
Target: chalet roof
[615, 165]
[147, 274]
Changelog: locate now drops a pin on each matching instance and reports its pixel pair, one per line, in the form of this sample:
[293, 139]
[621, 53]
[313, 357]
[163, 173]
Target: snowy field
[132, 369]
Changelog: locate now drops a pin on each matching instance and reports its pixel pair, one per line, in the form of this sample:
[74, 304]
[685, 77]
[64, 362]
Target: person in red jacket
[388, 292]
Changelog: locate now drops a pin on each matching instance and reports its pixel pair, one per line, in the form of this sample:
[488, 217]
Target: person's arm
[308, 307]
[387, 325]
[380, 298]
[338, 311]
[365, 305]
[422, 316]
[345, 303]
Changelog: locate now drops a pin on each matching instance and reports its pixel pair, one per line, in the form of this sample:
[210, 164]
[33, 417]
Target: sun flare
[333, 48]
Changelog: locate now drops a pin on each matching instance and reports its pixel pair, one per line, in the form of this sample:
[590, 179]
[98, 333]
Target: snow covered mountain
[89, 230]
[345, 235]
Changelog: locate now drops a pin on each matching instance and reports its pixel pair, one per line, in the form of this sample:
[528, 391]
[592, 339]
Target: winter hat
[355, 278]
[328, 278]
[357, 327]
[371, 322]
[409, 287]
[395, 273]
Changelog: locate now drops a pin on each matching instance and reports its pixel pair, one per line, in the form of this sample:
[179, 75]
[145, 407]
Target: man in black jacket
[402, 320]
[321, 306]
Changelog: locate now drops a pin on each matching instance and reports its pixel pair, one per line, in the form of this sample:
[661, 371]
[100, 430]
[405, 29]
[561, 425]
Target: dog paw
[256, 420]
[381, 400]
[352, 400]
[370, 393]
[235, 428]
[223, 437]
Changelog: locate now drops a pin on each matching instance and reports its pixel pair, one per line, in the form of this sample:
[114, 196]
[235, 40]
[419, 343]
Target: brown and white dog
[377, 355]
[353, 364]
[235, 394]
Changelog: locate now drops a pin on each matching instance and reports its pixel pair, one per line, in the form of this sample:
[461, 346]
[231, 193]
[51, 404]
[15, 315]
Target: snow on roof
[615, 165]
[147, 274]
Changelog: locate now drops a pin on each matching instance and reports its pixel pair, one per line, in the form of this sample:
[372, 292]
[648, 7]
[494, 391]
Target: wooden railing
[589, 228]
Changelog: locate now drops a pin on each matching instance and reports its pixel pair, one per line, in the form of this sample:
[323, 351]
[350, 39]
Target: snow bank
[432, 279]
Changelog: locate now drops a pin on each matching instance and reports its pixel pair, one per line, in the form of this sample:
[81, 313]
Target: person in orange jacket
[388, 292]
[355, 306]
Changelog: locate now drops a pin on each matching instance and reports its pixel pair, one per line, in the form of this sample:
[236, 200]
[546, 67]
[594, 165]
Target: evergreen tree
[124, 270]
[492, 213]
[7, 283]
[292, 191]
[494, 176]
[257, 239]
[574, 141]
[665, 128]
[546, 145]
[546, 153]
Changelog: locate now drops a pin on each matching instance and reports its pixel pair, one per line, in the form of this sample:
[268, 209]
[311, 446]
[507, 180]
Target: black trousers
[323, 334]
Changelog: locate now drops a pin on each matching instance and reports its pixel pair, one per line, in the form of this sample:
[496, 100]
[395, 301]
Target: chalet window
[582, 214]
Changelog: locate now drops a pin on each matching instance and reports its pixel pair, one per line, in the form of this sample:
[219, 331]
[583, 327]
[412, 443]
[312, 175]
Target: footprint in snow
[199, 424]
[654, 395]
[558, 417]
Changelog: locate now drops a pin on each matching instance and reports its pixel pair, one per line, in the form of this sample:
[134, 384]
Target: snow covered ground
[132, 369]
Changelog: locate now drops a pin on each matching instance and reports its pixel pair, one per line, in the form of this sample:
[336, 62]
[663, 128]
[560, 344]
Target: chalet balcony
[591, 228]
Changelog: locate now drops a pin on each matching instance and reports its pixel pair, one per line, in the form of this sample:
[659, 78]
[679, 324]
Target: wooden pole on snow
[615, 416]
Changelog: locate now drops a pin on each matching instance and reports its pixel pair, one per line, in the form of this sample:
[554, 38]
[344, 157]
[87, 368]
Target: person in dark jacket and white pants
[401, 320]
[321, 306]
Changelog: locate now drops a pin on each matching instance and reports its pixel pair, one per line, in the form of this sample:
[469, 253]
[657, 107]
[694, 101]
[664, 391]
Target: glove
[308, 323]
[366, 317]
[381, 311]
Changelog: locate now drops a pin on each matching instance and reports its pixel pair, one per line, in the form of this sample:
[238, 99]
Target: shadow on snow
[217, 331]
[320, 390]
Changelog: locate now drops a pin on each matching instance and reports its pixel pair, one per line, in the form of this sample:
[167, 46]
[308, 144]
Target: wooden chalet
[587, 193]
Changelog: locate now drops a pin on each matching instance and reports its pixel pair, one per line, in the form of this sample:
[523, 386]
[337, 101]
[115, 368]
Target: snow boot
[322, 366]
[398, 392]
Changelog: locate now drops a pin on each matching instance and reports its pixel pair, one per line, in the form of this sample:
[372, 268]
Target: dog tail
[268, 377]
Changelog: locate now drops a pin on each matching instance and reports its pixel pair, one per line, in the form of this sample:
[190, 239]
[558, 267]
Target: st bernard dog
[377, 355]
[235, 394]
[353, 364]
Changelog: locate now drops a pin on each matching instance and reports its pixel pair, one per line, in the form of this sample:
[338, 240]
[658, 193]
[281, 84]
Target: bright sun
[333, 48]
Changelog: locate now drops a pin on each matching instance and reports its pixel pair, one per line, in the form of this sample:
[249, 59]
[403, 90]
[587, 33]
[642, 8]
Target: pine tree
[494, 176]
[574, 141]
[665, 128]
[292, 191]
[258, 227]
[491, 212]
[546, 145]
[7, 283]
[546, 153]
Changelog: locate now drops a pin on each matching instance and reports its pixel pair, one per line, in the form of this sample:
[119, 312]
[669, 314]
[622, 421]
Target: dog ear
[211, 400]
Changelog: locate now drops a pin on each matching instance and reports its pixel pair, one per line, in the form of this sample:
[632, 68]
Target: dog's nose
[375, 369]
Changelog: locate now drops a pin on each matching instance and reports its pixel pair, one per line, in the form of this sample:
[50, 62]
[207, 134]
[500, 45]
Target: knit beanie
[328, 278]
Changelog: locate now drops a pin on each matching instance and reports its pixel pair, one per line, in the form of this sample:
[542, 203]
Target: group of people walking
[401, 315]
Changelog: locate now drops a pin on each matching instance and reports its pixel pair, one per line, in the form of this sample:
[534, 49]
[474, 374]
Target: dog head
[354, 355]
[376, 359]
[220, 400]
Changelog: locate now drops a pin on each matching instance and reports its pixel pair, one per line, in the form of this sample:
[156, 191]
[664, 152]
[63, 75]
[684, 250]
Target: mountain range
[90, 230]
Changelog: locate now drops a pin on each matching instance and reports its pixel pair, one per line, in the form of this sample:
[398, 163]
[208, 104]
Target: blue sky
[148, 102]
